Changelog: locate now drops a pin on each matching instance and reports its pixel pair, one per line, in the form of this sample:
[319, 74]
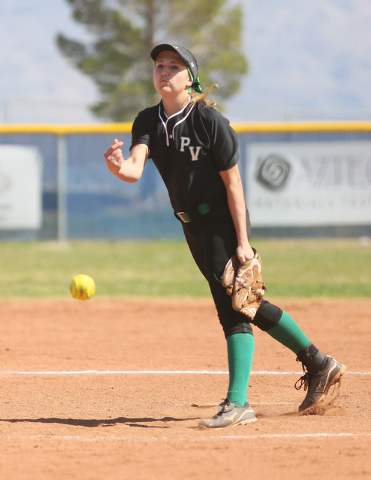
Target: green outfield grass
[292, 268]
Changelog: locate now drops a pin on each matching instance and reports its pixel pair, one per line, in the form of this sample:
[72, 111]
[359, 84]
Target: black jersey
[189, 150]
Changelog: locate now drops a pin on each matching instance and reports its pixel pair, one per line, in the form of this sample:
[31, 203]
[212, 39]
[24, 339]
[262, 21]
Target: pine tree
[125, 31]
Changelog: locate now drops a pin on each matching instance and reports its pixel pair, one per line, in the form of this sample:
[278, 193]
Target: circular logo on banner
[4, 182]
[273, 172]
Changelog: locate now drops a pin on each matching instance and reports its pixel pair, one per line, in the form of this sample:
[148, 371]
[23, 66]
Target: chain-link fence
[324, 170]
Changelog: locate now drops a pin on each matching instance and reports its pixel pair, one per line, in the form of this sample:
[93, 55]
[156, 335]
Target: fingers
[244, 253]
[116, 144]
[116, 157]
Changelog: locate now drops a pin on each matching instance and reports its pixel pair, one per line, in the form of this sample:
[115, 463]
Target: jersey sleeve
[140, 132]
[224, 145]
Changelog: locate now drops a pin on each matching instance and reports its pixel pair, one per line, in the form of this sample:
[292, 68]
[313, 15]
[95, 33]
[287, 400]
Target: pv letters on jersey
[194, 151]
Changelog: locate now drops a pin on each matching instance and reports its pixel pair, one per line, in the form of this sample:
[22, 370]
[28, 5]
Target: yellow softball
[82, 287]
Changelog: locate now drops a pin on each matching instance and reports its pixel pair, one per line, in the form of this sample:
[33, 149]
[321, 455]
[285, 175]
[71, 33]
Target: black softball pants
[212, 241]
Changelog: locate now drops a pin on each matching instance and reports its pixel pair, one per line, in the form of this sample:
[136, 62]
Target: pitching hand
[113, 157]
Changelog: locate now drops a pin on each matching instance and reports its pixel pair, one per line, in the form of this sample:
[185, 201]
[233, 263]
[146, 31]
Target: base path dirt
[115, 389]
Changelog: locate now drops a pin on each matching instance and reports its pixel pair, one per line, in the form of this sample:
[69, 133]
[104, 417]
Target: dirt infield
[114, 389]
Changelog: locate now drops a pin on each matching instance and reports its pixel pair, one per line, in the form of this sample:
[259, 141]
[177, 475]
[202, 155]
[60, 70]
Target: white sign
[296, 184]
[20, 188]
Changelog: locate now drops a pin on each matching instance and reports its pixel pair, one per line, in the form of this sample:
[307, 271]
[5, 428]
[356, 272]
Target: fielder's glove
[244, 284]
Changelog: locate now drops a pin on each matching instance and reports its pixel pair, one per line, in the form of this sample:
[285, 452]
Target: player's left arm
[237, 207]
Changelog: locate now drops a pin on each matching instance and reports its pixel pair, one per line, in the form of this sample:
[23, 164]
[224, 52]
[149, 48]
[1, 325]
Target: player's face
[171, 76]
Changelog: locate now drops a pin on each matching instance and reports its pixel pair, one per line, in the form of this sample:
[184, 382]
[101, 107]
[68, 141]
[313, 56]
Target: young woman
[196, 152]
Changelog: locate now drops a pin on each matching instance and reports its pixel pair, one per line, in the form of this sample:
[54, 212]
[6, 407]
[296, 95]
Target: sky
[306, 59]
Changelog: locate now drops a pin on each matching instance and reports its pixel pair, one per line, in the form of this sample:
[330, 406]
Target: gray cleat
[229, 415]
[318, 385]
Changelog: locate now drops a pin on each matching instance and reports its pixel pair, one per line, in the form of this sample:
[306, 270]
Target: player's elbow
[132, 169]
[130, 179]
[131, 176]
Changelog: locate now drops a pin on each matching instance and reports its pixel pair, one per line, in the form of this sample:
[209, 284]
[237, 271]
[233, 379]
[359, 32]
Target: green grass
[291, 268]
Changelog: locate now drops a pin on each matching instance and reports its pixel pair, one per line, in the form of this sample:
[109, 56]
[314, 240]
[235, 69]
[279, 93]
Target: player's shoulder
[210, 116]
[147, 114]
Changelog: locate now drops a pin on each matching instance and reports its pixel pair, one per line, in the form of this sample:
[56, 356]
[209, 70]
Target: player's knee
[267, 316]
[233, 328]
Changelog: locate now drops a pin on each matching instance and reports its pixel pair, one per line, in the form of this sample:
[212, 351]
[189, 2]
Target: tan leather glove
[245, 285]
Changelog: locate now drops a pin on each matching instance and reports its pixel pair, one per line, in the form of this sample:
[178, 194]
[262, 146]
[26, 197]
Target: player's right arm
[129, 170]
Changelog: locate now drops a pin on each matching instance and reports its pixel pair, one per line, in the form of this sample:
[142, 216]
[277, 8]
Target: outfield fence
[301, 179]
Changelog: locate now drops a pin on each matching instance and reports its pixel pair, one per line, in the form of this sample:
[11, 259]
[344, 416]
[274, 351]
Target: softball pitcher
[196, 153]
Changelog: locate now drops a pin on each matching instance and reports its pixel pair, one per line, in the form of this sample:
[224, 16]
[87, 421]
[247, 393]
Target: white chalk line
[296, 435]
[154, 372]
[167, 439]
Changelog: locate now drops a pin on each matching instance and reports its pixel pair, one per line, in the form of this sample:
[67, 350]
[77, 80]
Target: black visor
[187, 57]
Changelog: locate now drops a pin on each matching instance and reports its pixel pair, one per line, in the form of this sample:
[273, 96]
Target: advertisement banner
[20, 188]
[309, 184]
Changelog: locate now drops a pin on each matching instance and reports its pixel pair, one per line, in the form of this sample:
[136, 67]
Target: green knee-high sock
[240, 354]
[288, 332]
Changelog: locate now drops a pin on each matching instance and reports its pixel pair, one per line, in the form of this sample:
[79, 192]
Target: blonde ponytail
[203, 96]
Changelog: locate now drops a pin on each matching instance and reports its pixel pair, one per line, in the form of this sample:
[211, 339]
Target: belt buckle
[184, 217]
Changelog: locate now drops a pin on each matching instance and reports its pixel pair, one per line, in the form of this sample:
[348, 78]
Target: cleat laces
[304, 379]
[222, 407]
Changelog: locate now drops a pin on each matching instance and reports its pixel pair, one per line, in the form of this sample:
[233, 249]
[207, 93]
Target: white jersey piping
[168, 118]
